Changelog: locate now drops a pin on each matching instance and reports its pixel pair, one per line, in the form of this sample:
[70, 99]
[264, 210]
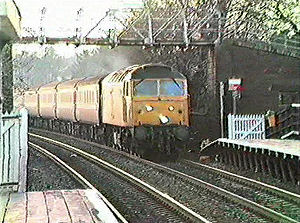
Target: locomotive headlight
[163, 119]
[171, 108]
[149, 108]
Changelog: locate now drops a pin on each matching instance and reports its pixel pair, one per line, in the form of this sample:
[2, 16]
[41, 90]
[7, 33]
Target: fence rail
[287, 123]
[13, 151]
[246, 126]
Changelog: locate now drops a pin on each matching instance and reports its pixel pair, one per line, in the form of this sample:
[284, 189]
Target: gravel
[131, 201]
[185, 193]
[43, 174]
[268, 179]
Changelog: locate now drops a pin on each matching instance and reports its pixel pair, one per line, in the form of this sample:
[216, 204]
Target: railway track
[142, 199]
[207, 199]
[85, 183]
[277, 202]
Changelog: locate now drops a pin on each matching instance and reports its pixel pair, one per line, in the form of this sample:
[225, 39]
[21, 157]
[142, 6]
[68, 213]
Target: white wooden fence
[246, 127]
[13, 151]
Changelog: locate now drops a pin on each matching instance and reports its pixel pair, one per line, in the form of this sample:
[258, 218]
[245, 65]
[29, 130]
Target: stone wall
[265, 77]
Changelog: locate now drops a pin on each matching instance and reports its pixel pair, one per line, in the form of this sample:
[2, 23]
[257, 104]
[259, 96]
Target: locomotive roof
[90, 80]
[156, 71]
[138, 72]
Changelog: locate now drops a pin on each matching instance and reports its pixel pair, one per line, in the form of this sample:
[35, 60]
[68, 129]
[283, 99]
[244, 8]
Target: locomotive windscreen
[154, 88]
[146, 88]
[171, 88]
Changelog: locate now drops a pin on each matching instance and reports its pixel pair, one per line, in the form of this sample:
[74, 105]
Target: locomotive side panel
[47, 99]
[127, 104]
[112, 104]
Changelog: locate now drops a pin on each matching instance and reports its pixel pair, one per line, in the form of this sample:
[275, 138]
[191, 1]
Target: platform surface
[60, 206]
[291, 147]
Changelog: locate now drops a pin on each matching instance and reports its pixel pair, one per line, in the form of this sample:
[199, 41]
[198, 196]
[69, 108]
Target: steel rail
[264, 211]
[79, 177]
[274, 190]
[185, 211]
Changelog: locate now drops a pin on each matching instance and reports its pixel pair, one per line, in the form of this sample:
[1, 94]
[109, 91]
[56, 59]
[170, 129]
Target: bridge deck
[286, 147]
[54, 206]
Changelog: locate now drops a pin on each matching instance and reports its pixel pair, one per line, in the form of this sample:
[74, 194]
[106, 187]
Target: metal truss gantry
[180, 24]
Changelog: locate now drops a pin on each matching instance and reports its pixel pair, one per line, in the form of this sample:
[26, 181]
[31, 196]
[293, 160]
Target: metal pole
[78, 28]
[42, 35]
[150, 34]
[1, 73]
[234, 96]
[185, 28]
[222, 108]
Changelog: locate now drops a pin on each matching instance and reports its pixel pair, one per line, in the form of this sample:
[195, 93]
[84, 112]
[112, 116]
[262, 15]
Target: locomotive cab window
[167, 87]
[145, 88]
[171, 88]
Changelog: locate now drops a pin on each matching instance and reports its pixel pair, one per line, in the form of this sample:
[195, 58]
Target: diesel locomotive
[142, 109]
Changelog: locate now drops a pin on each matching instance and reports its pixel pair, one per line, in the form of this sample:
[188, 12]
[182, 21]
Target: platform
[289, 148]
[67, 206]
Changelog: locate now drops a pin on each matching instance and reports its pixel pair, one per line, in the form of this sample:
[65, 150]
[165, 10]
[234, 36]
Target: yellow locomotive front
[160, 108]
[160, 102]
[146, 107]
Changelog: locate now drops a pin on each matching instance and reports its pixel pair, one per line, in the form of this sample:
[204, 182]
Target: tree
[6, 78]
[263, 19]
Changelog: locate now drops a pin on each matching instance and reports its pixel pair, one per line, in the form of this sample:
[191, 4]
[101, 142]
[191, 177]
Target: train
[141, 109]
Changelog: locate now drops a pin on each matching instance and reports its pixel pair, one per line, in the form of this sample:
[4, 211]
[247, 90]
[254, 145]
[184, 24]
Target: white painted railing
[246, 127]
[13, 151]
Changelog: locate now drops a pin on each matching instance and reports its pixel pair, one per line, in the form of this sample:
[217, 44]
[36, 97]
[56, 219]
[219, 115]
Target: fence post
[1, 146]
[23, 149]
[230, 126]
[263, 127]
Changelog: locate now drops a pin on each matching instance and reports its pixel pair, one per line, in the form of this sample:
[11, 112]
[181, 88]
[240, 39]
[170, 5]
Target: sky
[60, 16]
[60, 19]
